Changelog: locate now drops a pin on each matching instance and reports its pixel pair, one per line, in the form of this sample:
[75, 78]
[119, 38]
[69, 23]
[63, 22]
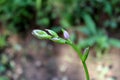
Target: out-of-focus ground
[43, 60]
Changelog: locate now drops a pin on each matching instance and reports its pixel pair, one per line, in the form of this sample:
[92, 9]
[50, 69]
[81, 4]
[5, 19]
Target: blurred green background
[93, 23]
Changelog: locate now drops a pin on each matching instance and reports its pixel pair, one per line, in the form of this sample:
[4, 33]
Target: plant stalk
[86, 71]
[80, 56]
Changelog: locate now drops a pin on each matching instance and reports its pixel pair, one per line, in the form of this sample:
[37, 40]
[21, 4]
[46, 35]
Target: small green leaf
[90, 23]
[85, 54]
[52, 33]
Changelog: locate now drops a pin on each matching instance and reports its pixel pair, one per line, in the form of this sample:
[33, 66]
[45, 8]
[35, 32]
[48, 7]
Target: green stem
[86, 71]
[80, 56]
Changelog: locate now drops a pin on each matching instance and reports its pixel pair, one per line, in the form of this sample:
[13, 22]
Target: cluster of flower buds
[51, 35]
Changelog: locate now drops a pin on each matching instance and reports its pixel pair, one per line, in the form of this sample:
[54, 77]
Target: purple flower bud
[66, 34]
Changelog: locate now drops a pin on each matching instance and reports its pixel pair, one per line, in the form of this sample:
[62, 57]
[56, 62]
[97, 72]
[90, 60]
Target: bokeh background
[93, 23]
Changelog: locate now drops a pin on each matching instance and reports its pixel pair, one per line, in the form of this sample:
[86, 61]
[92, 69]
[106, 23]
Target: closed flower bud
[41, 34]
[52, 33]
[65, 34]
[59, 40]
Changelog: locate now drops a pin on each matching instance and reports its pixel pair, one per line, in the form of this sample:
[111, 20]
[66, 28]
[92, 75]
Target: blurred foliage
[4, 78]
[22, 14]
[3, 41]
[16, 14]
[6, 66]
[104, 12]
[96, 37]
[95, 15]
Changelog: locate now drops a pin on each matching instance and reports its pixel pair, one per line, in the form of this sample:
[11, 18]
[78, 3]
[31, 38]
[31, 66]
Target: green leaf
[89, 23]
[102, 41]
[108, 8]
[85, 54]
[114, 42]
[85, 30]
[87, 42]
[38, 4]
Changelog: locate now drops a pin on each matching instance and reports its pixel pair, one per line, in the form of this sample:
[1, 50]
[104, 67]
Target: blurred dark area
[93, 23]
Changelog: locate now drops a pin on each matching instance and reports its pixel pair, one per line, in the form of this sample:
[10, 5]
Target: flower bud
[59, 40]
[65, 34]
[41, 34]
[52, 33]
